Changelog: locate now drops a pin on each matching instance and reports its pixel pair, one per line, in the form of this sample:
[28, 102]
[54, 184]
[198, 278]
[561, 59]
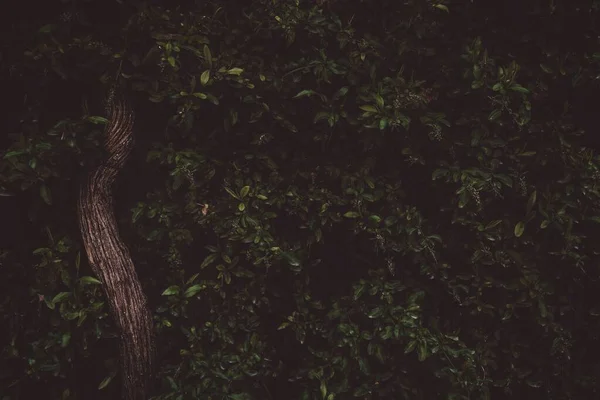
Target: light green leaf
[235, 71]
[351, 214]
[204, 78]
[244, 191]
[171, 290]
[519, 229]
[89, 280]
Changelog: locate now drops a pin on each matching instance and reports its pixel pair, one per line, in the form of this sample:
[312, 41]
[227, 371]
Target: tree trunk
[110, 259]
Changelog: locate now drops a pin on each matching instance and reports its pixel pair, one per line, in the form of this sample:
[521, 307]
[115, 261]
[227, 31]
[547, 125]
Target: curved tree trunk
[110, 259]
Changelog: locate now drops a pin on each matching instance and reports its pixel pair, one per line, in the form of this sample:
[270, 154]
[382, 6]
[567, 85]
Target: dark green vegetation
[328, 199]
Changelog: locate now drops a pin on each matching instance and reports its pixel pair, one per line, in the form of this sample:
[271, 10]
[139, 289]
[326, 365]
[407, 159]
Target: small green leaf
[302, 93]
[244, 191]
[171, 290]
[207, 55]
[495, 114]
[192, 291]
[60, 297]
[241, 206]
[442, 7]
[171, 61]
[493, 224]
[208, 260]
[383, 123]
[47, 28]
[283, 326]
[200, 95]
[422, 351]
[518, 88]
[368, 108]
[351, 214]
[105, 382]
[235, 71]
[97, 120]
[519, 229]
[546, 69]
[204, 78]
[232, 193]
[323, 389]
[410, 347]
[14, 153]
[45, 194]
[531, 201]
[290, 258]
[89, 280]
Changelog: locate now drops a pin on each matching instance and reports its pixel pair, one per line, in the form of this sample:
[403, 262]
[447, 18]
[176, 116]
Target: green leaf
[241, 206]
[105, 382]
[290, 258]
[97, 120]
[531, 201]
[518, 88]
[47, 28]
[45, 194]
[232, 193]
[442, 7]
[519, 229]
[192, 291]
[14, 153]
[422, 351]
[244, 191]
[171, 61]
[204, 78]
[235, 71]
[410, 346]
[200, 95]
[495, 114]
[207, 55]
[86, 280]
[302, 93]
[368, 108]
[171, 290]
[546, 69]
[208, 260]
[351, 214]
[60, 297]
[493, 224]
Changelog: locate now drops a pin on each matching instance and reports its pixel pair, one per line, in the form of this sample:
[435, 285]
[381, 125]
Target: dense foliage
[327, 200]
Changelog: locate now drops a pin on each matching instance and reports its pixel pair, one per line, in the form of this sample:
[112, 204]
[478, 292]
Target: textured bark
[110, 259]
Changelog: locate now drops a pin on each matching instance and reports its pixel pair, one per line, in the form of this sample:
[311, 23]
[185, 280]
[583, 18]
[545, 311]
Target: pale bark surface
[110, 259]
